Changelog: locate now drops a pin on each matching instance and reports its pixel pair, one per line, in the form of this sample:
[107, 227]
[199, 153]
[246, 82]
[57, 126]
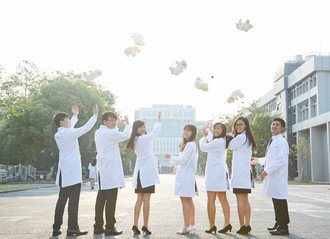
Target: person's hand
[263, 174]
[96, 109]
[75, 110]
[145, 120]
[166, 156]
[254, 161]
[126, 119]
[204, 129]
[159, 116]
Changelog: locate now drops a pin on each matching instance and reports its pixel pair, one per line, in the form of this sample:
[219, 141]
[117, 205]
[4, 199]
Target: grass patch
[14, 187]
[300, 182]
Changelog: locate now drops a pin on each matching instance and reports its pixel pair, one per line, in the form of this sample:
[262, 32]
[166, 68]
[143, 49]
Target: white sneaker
[191, 229]
[184, 231]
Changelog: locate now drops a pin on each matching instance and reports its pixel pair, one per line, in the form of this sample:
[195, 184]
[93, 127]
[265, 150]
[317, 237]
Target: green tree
[16, 88]
[260, 120]
[302, 152]
[28, 133]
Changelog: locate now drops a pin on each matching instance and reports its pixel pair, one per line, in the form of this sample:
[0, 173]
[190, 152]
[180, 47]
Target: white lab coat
[275, 184]
[216, 167]
[109, 164]
[92, 171]
[146, 161]
[241, 167]
[186, 170]
[69, 165]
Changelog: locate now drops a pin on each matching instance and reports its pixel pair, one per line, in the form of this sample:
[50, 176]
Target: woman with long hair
[185, 185]
[145, 174]
[242, 177]
[216, 173]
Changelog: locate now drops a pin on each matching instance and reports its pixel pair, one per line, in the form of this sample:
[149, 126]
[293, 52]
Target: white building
[174, 118]
[301, 96]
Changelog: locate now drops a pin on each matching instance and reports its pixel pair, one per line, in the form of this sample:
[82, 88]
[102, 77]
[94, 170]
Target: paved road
[29, 214]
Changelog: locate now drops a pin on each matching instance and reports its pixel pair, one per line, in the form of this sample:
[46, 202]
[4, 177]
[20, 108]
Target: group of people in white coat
[111, 177]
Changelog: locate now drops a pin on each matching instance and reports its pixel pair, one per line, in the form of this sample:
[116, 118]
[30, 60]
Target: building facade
[174, 118]
[301, 96]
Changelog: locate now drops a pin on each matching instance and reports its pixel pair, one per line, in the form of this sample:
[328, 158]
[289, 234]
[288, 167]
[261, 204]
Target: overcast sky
[85, 35]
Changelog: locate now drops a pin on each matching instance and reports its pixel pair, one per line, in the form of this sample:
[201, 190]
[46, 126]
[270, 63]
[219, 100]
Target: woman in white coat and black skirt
[216, 173]
[242, 177]
[186, 170]
[145, 174]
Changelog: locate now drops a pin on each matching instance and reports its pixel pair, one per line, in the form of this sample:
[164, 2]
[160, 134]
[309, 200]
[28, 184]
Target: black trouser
[72, 193]
[107, 198]
[281, 212]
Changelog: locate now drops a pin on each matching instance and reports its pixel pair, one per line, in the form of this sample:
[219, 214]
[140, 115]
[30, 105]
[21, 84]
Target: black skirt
[139, 189]
[245, 190]
[241, 190]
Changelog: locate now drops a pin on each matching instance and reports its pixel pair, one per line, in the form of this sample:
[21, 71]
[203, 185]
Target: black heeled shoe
[212, 229]
[226, 229]
[244, 230]
[146, 231]
[136, 231]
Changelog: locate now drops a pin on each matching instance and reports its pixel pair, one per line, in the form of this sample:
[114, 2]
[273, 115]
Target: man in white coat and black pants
[275, 176]
[69, 176]
[110, 171]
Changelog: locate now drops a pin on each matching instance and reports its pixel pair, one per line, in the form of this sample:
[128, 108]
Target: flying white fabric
[235, 95]
[201, 85]
[91, 75]
[244, 26]
[131, 51]
[138, 39]
[178, 67]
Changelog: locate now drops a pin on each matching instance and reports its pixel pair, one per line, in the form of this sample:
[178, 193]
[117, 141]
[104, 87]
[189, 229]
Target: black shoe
[244, 230]
[75, 232]
[56, 233]
[112, 232]
[98, 230]
[146, 231]
[273, 228]
[226, 229]
[279, 232]
[212, 229]
[136, 231]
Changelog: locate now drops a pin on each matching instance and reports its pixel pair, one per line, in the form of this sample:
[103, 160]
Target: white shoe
[184, 231]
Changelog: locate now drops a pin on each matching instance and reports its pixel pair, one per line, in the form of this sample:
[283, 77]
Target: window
[313, 106]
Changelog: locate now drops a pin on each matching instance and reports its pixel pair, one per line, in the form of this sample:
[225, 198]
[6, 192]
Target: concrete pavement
[29, 214]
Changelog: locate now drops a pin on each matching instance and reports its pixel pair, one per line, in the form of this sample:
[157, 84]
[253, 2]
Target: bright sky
[86, 35]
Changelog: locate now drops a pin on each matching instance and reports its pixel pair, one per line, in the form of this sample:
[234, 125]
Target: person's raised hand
[75, 110]
[95, 109]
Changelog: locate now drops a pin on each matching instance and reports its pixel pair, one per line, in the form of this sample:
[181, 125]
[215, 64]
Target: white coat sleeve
[121, 136]
[77, 132]
[185, 156]
[279, 161]
[237, 142]
[213, 146]
[74, 120]
[156, 131]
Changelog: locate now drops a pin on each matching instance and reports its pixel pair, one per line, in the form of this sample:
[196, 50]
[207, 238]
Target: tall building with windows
[300, 95]
[174, 118]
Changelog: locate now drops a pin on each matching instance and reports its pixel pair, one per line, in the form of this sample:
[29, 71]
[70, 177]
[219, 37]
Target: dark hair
[107, 114]
[223, 134]
[247, 131]
[93, 163]
[137, 124]
[192, 137]
[60, 117]
[280, 120]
